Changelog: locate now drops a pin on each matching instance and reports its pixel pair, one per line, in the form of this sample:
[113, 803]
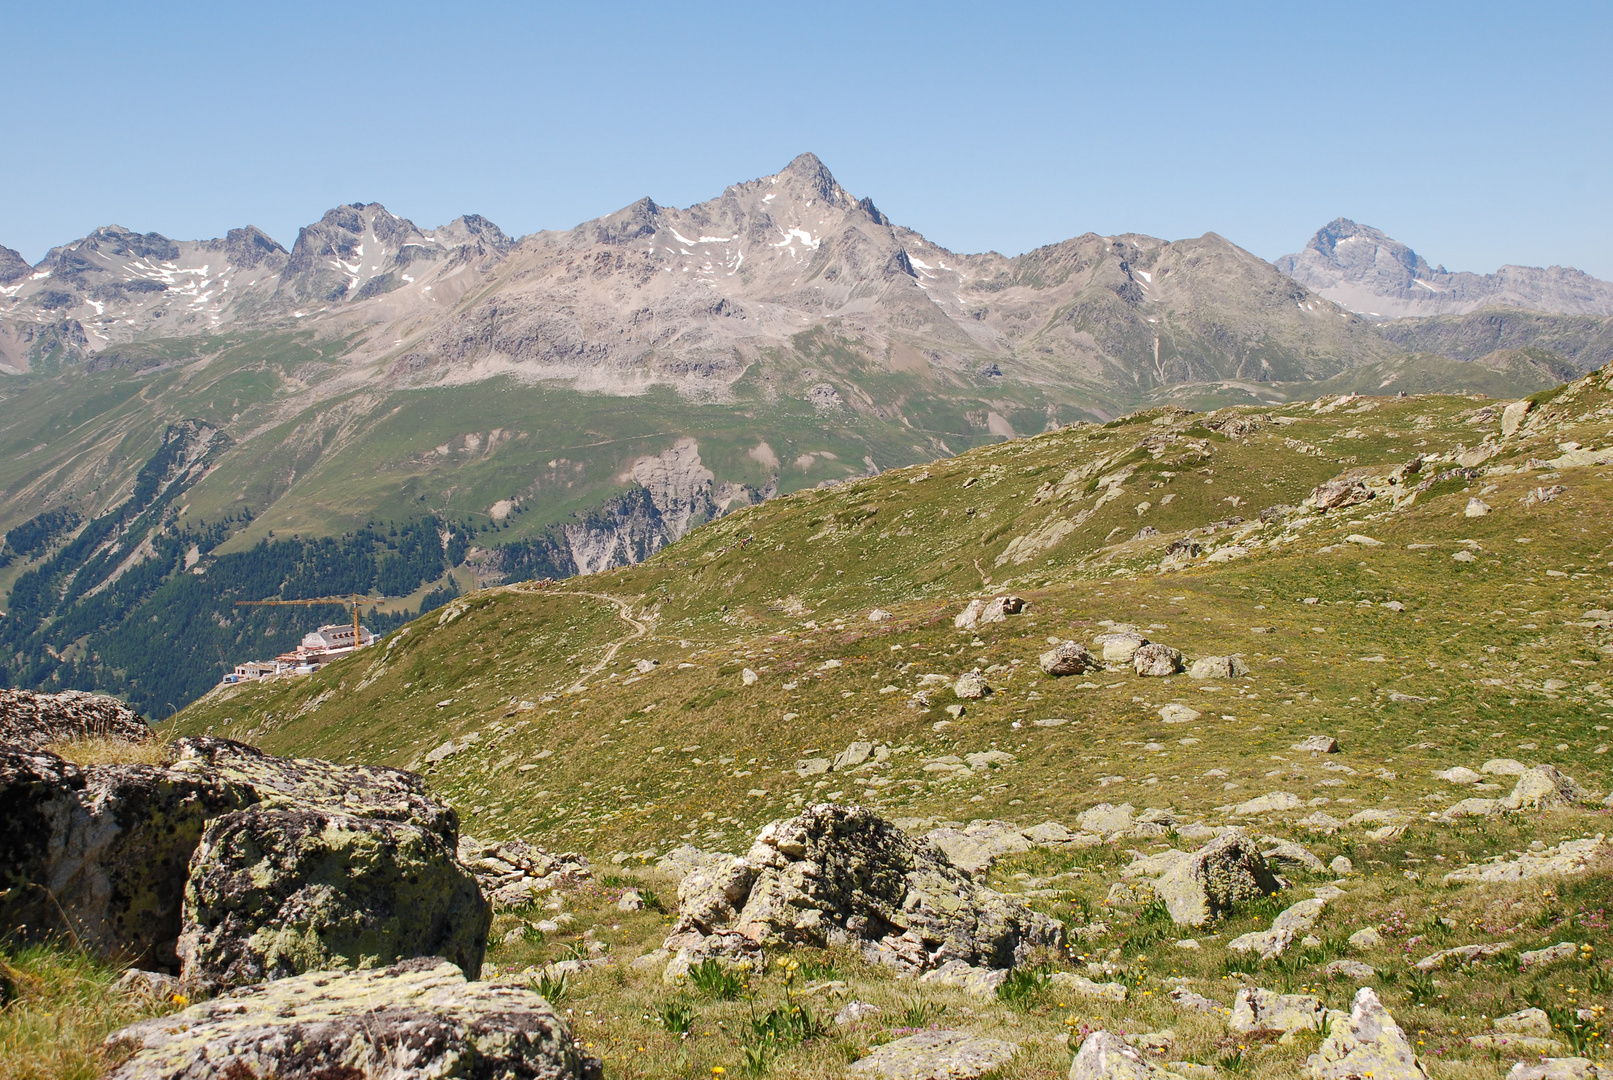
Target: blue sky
[1477, 133]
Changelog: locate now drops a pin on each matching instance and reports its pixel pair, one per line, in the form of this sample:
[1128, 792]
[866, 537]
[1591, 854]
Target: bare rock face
[1366, 1043]
[275, 893]
[1068, 658]
[41, 719]
[838, 874]
[107, 850]
[1224, 873]
[417, 1018]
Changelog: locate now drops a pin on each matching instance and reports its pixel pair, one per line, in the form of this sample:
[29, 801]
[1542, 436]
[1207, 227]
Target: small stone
[1178, 714]
[1512, 416]
[1552, 954]
[1341, 865]
[878, 615]
[971, 686]
[1191, 944]
[1184, 998]
[1121, 646]
[1544, 788]
[1524, 1022]
[1476, 508]
[1317, 744]
[1556, 1068]
[1465, 556]
[1272, 802]
[1350, 969]
[1366, 939]
[1459, 775]
[1069, 983]
[854, 1012]
[1462, 954]
[630, 900]
[748, 677]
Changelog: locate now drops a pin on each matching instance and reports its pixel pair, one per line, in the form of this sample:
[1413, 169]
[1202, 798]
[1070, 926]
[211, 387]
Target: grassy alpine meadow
[1451, 625]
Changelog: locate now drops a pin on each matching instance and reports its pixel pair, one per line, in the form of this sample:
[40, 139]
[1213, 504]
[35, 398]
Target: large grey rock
[1107, 1056]
[419, 1018]
[38, 720]
[105, 850]
[1120, 646]
[1224, 873]
[275, 893]
[1367, 1043]
[936, 1055]
[1287, 855]
[1255, 1009]
[1218, 667]
[842, 875]
[1543, 788]
[1068, 658]
[1156, 661]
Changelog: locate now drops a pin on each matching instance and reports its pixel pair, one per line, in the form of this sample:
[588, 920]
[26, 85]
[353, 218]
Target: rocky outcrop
[1568, 857]
[513, 872]
[840, 875]
[275, 893]
[39, 720]
[105, 852]
[1368, 1042]
[1543, 788]
[417, 1018]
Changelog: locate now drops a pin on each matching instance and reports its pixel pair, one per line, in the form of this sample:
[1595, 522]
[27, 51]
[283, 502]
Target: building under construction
[318, 648]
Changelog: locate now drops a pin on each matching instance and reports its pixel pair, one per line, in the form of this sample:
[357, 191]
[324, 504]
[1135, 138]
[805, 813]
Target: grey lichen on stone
[274, 893]
[1214, 880]
[417, 1018]
[936, 1055]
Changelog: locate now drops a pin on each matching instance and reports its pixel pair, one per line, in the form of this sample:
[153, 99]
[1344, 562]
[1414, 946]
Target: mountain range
[1363, 269]
[574, 400]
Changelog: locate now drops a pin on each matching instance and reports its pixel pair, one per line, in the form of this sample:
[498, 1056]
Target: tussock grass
[101, 750]
[59, 1005]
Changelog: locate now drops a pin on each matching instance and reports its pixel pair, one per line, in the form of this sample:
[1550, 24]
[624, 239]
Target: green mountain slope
[1355, 622]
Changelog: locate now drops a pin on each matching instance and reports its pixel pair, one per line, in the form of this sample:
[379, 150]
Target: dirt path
[624, 611]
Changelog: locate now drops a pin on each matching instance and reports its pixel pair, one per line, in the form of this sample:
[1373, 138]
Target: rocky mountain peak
[12, 265]
[251, 247]
[1372, 273]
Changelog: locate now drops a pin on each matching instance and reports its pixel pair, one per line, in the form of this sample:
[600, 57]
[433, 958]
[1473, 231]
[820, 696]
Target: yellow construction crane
[354, 600]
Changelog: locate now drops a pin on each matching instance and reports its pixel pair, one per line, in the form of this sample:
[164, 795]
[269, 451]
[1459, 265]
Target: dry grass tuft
[57, 1006]
[102, 750]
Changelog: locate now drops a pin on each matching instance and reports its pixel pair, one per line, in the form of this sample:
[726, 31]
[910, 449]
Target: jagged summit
[1370, 272]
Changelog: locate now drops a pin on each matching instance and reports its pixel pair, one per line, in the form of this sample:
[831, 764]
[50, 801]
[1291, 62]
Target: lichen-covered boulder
[1368, 1042]
[370, 791]
[1156, 661]
[104, 851]
[101, 853]
[1120, 645]
[415, 1019]
[838, 875]
[274, 893]
[1068, 658]
[1257, 1009]
[936, 1055]
[1215, 879]
[1107, 1056]
[1218, 667]
[38, 720]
